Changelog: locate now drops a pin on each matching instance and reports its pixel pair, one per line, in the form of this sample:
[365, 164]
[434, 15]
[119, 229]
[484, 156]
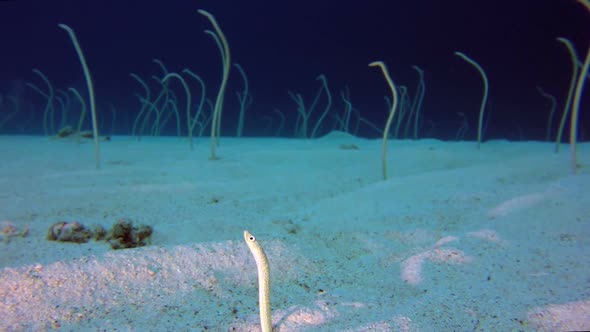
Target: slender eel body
[263, 281]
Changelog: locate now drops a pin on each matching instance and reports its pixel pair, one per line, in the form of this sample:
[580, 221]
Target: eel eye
[252, 238]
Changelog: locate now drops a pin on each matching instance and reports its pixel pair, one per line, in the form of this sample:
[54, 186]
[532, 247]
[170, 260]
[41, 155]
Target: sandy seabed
[456, 238]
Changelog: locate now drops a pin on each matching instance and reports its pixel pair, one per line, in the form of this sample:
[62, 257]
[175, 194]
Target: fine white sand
[456, 239]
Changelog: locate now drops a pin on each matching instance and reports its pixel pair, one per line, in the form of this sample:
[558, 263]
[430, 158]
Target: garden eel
[263, 281]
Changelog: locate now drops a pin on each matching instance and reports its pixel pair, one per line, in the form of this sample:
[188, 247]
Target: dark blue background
[284, 45]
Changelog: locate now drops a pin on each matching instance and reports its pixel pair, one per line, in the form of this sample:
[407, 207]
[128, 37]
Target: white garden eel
[263, 281]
